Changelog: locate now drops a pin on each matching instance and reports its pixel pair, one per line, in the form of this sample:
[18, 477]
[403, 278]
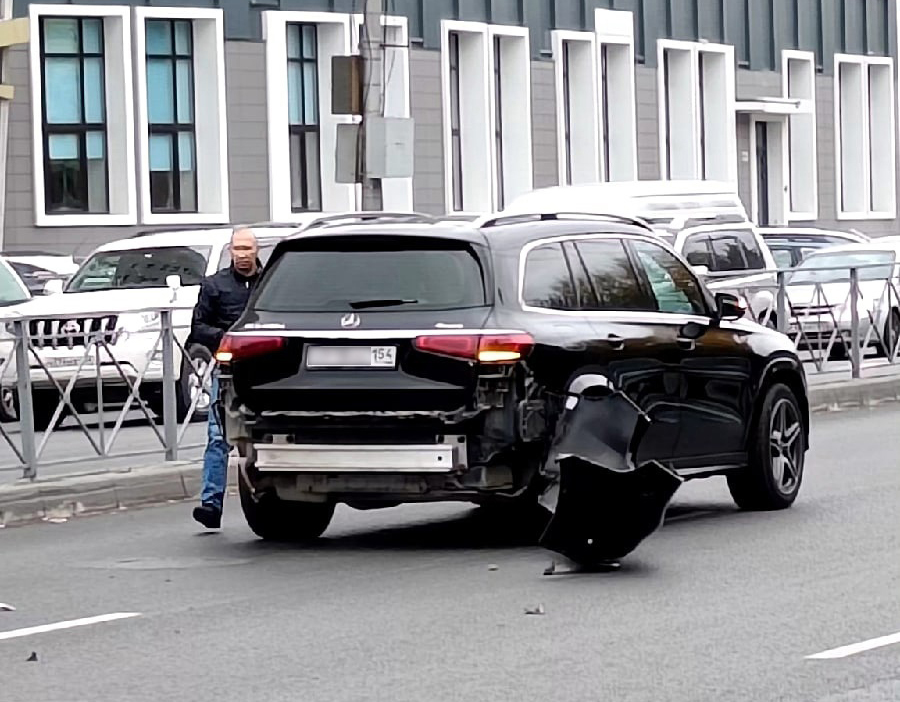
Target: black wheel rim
[786, 446]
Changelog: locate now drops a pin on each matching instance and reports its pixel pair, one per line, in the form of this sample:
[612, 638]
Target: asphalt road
[403, 604]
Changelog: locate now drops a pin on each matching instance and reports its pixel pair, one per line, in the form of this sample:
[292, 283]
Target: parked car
[106, 295]
[667, 205]
[13, 293]
[381, 364]
[790, 245]
[819, 295]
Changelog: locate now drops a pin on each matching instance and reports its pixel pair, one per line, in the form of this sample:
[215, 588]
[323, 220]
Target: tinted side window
[736, 251]
[696, 251]
[548, 281]
[673, 285]
[611, 282]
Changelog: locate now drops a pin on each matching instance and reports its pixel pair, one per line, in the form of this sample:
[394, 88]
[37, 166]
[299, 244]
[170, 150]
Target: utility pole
[371, 49]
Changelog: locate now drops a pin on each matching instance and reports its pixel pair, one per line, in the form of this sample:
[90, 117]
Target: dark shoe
[208, 516]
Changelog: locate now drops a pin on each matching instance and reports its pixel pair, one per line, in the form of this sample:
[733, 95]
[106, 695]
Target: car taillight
[484, 348]
[236, 347]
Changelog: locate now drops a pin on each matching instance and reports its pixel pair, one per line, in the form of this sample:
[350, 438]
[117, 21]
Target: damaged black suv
[402, 359]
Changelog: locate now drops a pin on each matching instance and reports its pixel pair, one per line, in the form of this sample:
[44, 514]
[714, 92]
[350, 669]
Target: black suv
[406, 360]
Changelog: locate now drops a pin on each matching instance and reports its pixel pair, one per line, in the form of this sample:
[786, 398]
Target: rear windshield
[371, 277]
[141, 268]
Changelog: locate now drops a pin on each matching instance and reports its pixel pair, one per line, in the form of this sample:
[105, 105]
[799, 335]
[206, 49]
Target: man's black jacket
[223, 297]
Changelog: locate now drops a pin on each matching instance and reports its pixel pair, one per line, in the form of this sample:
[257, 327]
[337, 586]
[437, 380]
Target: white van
[667, 205]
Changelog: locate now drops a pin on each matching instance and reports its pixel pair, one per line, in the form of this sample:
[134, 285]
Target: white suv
[105, 295]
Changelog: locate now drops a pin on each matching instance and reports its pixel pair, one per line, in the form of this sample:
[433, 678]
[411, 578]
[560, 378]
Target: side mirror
[729, 307]
[53, 287]
[701, 270]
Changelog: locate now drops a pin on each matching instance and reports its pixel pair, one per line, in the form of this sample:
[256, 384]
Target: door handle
[616, 342]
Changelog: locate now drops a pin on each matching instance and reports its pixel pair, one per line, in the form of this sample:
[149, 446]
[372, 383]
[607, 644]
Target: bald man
[223, 297]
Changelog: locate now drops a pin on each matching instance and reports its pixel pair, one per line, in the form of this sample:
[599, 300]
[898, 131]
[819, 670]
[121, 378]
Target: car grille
[804, 310]
[70, 333]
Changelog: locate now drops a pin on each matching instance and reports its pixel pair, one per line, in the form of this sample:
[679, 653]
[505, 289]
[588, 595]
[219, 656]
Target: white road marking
[853, 649]
[86, 621]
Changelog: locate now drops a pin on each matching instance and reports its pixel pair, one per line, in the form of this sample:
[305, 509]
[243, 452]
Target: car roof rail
[369, 217]
[557, 216]
[273, 225]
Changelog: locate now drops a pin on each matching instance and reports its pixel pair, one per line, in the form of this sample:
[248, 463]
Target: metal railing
[832, 314]
[63, 367]
[72, 365]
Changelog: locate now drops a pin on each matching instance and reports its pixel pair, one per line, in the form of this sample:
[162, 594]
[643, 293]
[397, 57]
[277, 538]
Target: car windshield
[11, 292]
[372, 277]
[805, 273]
[141, 268]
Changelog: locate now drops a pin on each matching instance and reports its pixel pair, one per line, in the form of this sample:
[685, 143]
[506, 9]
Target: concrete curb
[65, 497]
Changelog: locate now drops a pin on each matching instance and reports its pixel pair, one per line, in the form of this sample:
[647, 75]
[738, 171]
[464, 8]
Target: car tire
[889, 340]
[773, 476]
[274, 519]
[9, 405]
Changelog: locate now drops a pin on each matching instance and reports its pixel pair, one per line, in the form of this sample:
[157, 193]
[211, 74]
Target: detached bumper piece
[603, 505]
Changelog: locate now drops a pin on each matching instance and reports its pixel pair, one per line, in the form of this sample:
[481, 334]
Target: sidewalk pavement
[61, 498]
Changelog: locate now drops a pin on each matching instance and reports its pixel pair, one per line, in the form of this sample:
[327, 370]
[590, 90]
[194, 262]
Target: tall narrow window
[455, 133]
[74, 115]
[498, 126]
[604, 103]
[303, 117]
[567, 112]
[170, 114]
[701, 102]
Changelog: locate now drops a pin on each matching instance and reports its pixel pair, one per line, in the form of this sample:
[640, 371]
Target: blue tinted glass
[310, 94]
[159, 37]
[61, 36]
[183, 37]
[63, 147]
[62, 90]
[185, 81]
[160, 98]
[185, 151]
[92, 35]
[309, 41]
[160, 152]
[93, 90]
[294, 85]
[96, 145]
[293, 41]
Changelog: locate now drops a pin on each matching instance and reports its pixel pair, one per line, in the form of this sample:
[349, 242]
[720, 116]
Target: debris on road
[603, 505]
[6, 607]
[536, 610]
[493, 566]
[32, 658]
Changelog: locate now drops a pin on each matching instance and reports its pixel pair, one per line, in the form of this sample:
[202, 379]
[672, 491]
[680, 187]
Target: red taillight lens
[484, 348]
[236, 347]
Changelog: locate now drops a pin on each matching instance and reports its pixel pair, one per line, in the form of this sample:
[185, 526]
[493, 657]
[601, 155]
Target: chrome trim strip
[354, 458]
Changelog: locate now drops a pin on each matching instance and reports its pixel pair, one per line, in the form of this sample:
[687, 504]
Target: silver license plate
[351, 357]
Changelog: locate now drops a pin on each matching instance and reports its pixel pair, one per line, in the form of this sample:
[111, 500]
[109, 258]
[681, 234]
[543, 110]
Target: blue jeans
[215, 458]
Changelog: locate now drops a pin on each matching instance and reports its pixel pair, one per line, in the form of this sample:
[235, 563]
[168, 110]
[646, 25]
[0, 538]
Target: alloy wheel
[786, 446]
[195, 384]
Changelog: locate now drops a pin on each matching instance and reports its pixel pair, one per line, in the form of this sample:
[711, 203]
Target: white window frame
[211, 134]
[120, 156]
[886, 176]
[396, 193]
[515, 121]
[692, 151]
[336, 197]
[475, 121]
[615, 31]
[579, 156]
[802, 142]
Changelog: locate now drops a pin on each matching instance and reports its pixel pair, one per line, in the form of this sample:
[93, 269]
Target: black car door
[714, 361]
[640, 354]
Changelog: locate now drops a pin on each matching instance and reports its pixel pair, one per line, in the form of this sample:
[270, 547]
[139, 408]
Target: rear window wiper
[396, 302]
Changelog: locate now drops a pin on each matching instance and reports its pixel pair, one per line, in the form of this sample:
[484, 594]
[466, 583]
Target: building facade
[116, 118]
